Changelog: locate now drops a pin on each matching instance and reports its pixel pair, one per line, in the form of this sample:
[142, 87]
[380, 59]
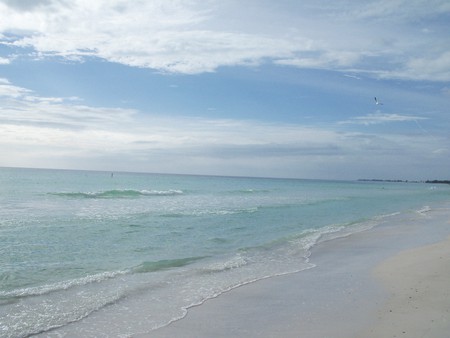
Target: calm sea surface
[84, 253]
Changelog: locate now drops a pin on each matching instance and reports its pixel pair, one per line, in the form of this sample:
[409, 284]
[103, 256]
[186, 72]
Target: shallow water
[123, 253]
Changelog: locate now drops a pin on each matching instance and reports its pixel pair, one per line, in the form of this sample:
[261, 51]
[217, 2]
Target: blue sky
[253, 88]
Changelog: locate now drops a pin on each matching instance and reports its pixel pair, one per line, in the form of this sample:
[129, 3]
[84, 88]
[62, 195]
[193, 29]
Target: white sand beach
[418, 282]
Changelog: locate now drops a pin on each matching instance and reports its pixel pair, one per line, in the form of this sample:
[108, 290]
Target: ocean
[88, 254]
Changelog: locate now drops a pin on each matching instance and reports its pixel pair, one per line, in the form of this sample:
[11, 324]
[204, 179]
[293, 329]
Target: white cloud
[186, 36]
[4, 61]
[20, 106]
[318, 60]
[437, 66]
[378, 118]
[403, 10]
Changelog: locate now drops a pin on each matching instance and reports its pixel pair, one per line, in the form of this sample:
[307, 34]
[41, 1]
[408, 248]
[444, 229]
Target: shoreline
[341, 297]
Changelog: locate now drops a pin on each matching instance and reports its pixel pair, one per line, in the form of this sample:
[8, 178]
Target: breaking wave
[119, 193]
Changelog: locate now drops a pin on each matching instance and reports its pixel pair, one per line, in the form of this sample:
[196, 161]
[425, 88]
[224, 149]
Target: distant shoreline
[404, 181]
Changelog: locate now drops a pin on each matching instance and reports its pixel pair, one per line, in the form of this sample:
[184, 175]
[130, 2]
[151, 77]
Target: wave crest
[63, 285]
[119, 193]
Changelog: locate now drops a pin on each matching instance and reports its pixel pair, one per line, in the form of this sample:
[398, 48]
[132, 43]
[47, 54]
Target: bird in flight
[377, 102]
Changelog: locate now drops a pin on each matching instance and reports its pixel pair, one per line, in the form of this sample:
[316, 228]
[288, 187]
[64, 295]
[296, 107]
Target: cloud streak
[378, 118]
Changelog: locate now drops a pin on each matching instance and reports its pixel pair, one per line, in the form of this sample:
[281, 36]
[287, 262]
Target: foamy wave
[224, 212]
[220, 212]
[310, 238]
[424, 210]
[233, 263]
[161, 192]
[248, 191]
[343, 230]
[120, 193]
[59, 286]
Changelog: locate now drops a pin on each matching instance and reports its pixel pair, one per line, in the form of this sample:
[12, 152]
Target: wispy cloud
[8, 90]
[186, 36]
[401, 10]
[378, 118]
[21, 106]
[352, 76]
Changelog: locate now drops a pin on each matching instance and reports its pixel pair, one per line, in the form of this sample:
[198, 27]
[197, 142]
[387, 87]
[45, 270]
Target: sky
[238, 88]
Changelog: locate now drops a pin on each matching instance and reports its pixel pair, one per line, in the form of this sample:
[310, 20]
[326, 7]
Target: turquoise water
[85, 253]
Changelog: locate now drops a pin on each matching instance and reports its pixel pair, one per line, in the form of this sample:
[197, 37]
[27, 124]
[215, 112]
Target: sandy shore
[390, 281]
[419, 285]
